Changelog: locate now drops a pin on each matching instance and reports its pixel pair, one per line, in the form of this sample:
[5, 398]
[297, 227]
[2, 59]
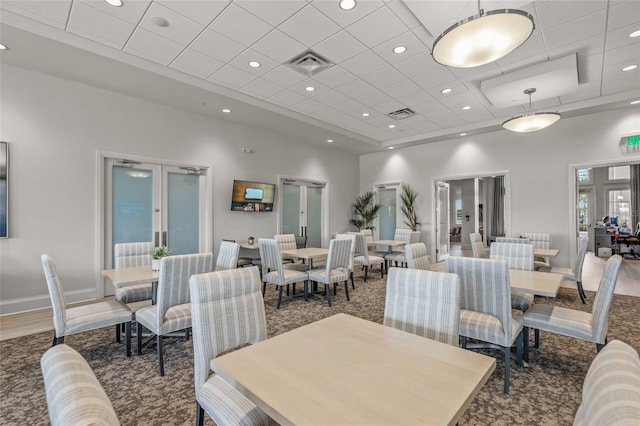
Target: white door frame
[397, 184]
[438, 255]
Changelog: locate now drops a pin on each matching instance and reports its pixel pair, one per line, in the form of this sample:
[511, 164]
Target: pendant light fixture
[482, 38]
[531, 122]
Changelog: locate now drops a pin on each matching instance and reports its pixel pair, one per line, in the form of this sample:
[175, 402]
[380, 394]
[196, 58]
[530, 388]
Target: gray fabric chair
[352, 238]
[591, 327]
[233, 298]
[129, 255]
[540, 240]
[274, 272]
[611, 390]
[172, 311]
[416, 256]
[67, 321]
[575, 274]
[517, 256]
[365, 258]
[227, 256]
[74, 394]
[425, 303]
[512, 240]
[289, 242]
[477, 246]
[485, 306]
[242, 261]
[336, 269]
[398, 256]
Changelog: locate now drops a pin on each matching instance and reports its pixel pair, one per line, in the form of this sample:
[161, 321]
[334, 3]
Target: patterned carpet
[545, 393]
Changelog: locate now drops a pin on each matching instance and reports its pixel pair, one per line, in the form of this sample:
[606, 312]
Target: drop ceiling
[199, 55]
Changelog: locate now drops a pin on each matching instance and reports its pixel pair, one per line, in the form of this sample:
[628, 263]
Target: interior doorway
[303, 209]
[389, 218]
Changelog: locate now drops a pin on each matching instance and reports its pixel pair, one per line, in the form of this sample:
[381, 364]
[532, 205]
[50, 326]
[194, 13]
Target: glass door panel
[291, 209]
[183, 213]
[442, 220]
[387, 217]
[313, 229]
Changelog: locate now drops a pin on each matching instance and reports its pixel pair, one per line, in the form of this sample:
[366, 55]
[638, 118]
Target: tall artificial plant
[365, 211]
[408, 198]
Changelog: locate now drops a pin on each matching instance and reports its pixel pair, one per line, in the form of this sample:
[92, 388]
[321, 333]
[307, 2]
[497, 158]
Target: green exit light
[633, 140]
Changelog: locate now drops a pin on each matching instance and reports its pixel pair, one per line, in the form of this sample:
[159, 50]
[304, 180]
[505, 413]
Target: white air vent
[401, 114]
[309, 63]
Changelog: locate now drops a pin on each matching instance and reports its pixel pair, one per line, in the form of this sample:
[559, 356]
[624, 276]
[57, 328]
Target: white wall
[55, 128]
[538, 164]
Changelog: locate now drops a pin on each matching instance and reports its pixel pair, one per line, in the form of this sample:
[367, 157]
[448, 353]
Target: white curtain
[497, 218]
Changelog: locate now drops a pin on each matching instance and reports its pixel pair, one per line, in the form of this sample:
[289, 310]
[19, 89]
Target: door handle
[165, 241]
[156, 236]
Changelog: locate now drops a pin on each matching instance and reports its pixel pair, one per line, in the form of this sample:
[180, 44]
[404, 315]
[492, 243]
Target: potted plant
[158, 253]
[365, 211]
[408, 199]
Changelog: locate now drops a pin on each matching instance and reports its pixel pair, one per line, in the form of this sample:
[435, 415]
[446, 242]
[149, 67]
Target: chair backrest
[518, 256]
[583, 243]
[485, 287]
[286, 241]
[425, 303]
[301, 241]
[173, 281]
[227, 256]
[55, 292]
[477, 245]
[361, 244]
[402, 234]
[227, 311]
[537, 236]
[602, 301]
[368, 237]
[128, 255]
[339, 257]
[512, 240]
[270, 256]
[416, 256]
[611, 390]
[352, 238]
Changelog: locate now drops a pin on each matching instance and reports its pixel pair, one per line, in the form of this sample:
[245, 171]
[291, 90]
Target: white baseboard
[24, 304]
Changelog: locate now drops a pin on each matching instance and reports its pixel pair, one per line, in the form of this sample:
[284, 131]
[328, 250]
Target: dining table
[344, 370]
[535, 282]
[122, 277]
[307, 253]
[545, 252]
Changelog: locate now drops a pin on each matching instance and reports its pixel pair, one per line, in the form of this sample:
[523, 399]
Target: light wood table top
[253, 246]
[307, 252]
[535, 282]
[131, 276]
[363, 373]
[545, 252]
[391, 244]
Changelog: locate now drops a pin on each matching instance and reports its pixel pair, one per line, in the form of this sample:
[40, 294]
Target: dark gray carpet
[545, 393]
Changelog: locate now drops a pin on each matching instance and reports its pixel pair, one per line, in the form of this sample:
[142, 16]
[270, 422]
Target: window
[584, 175]
[583, 212]
[619, 207]
[458, 211]
[619, 172]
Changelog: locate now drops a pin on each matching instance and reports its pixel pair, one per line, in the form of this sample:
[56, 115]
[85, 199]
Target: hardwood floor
[22, 324]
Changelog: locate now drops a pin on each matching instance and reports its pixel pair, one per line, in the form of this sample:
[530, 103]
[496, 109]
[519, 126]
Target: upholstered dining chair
[289, 242]
[517, 256]
[128, 255]
[231, 297]
[485, 307]
[398, 256]
[425, 303]
[352, 238]
[540, 240]
[336, 269]
[416, 256]
[591, 327]
[575, 274]
[67, 321]
[227, 256]
[242, 260]
[364, 258]
[511, 240]
[477, 246]
[172, 311]
[274, 272]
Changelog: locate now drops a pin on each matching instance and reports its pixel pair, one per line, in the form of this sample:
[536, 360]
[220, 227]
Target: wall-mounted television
[248, 196]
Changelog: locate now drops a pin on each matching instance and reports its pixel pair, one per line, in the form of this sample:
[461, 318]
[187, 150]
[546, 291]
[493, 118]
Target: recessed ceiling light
[254, 64]
[446, 90]
[3, 47]
[463, 134]
[159, 21]
[365, 114]
[636, 33]
[330, 140]
[466, 107]
[116, 3]
[347, 4]
[629, 67]
[399, 49]
[309, 88]
[390, 147]
[634, 102]
[226, 110]
[391, 126]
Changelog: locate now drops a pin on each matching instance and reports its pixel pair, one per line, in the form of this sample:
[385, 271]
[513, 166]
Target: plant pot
[155, 264]
[415, 237]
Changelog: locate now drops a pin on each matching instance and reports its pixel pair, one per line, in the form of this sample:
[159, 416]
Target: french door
[442, 221]
[302, 210]
[387, 196]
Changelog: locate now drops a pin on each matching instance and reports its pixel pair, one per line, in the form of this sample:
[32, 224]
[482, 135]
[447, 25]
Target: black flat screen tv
[248, 196]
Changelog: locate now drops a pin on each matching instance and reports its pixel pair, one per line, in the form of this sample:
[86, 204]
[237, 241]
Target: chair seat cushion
[559, 320]
[289, 276]
[176, 318]
[373, 260]
[300, 267]
[96, 315]
[521, 301]
[335, 276]
[567, 273]
[397, 256]
[227, 406]
[488, 328]
[134, 293]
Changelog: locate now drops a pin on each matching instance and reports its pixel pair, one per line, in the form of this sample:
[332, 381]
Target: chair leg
[287, 289]
[127, 336]
[346, 289]
[117, 332]
[353, 285]
[519, 348]
[160, 354]
[366, 269]
[581, 292]
[525, 343]
[199, 415]
[264, 288]
[507, 368]
[463, 342]
[599, 346]
[382, 271]
[279, 298]
[327, 293]
[536, 340]
[139, 338]
[187, 331]
[57, 340]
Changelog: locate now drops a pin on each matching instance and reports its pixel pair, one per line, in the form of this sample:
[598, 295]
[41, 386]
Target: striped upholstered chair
[540, 240]
[274, 272]
[231, 297]
[351, 238]
[485, 306]
[74, 395]
[416, 255]
[575, 274]
[425, 303]
[517, 256]
[477, 246]
[227, 256]
[172, 311]
[611, 390]
[67, 321]
[511, 240]
[128, 255]
[336, 269]
[398, 256]
[591, 327]
[289, 242]
[365, 258]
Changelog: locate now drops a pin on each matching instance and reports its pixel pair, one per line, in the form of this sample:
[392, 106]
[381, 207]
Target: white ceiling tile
[231, 77]
[309, 106]
[620, 37]
[422, 124]
[309, 26]
[403, 13]
[455, 86]
[53, 13]
[273, 12]
[624, 14]
[356, 88]
[439, 77]
[418, 65]
[152, 47]
[459, 100]
[261, 88]
[385, 77]
[387, 107]
[365, 63]
[374, 98]
[587, 90]
[377, 27]
[351, 107]
[331, 97]
[180, 29]
[554, 13]
[623, 56]
[240, 25]
[301, 87]
[328, 113]
[416, 98]
[614, 80]
[217, 46]
[195, 63]
[203, 12]
[284, 76]
[576, 30]
[587, 47]
[335, 76]
[95, 25]
[402, 88]
[340, 47]
[279, 46]
[410, 41]
[427, 107]
[286, 98]
[242, 62]
[444, 118]
[130, 11]
[344, 18]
